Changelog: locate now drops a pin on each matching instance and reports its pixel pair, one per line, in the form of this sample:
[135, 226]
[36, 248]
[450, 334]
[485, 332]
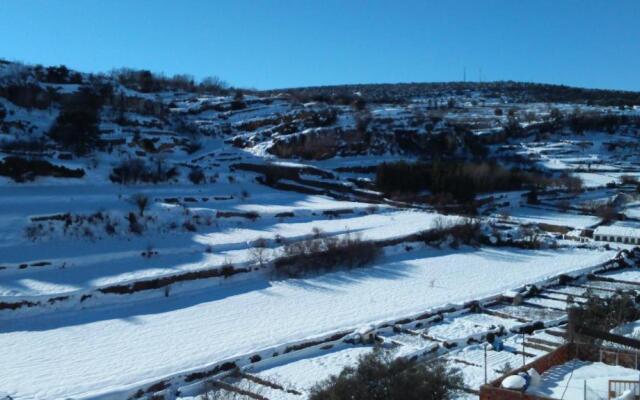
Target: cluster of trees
[322, 253]
[468, 231]
[29, 145]
[518, 91]
[461, 180]
[147, 82]
[197, 176]
[60, 74]
[29, 95]
[76, 127]
[602, 313]
[137, 170]
[22, 170]
[580, 121]
[377, 376]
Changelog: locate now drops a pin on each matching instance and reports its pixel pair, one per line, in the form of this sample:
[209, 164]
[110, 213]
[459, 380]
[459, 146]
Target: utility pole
[485, 363]
[464, 74]
[523, 353]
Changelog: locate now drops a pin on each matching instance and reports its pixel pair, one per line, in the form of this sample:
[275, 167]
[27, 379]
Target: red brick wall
[493, 391]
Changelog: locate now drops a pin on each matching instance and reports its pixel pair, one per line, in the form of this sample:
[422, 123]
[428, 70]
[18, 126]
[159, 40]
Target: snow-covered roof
[624, 230]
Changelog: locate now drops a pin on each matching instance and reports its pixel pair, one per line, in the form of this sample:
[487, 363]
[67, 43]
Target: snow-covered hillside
[155, 238]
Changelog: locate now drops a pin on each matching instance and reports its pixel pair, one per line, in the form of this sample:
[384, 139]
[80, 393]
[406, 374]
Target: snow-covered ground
[568, 381]
[75, 354]
[304, 373]
[65, 240]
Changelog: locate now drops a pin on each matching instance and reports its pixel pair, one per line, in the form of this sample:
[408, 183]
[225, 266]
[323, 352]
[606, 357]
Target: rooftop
[619, 229]
[567, 381]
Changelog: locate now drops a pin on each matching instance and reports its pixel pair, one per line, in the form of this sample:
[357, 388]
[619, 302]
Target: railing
[617, 387]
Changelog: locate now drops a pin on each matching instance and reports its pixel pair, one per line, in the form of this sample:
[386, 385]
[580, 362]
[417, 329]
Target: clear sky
[278, 43]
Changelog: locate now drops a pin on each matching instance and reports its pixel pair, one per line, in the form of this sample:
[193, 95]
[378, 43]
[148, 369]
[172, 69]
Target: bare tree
[258, 252]
[141, 201]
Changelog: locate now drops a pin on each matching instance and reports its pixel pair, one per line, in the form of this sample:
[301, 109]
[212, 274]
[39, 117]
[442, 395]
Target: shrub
[466, 231]
[76, 131]
[22, 170]
[325, 254]
[460, 180]
[227, 269]
[196, 176]
[258, 252]
[192, 146]
[76, 128]
[129, 171]
[137, 170]
[34, 231]
[532, 197]
[31, 145]
[238, 101]
[134, 226]
[629, 180]
[146, 81]
[189, 226]
[378, 377]
[603, 314]
[28, 95]
[606, 211]
[141, 201]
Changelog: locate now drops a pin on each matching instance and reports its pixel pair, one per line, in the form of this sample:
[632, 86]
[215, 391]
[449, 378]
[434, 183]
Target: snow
[302, 374]
[541, 215]
[514, 382]
[567, 381]
[461, 327]
[111, 262]
[619, 229]
[110, 343]
[75, 354]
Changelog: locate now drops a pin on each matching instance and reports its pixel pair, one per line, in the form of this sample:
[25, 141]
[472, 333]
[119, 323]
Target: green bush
[378, 377]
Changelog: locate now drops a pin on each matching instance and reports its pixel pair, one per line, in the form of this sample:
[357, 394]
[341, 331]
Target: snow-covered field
[75, 354]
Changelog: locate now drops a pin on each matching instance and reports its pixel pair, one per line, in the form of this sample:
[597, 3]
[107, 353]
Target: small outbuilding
[618, 233]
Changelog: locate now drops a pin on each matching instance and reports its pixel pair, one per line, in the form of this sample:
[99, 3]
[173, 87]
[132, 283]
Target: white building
[618, 233]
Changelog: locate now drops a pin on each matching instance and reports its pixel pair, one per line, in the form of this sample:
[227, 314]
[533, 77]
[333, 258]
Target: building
[618, 233]
[600, 373]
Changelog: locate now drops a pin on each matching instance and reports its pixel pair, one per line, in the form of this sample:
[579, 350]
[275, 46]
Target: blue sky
[278, 43]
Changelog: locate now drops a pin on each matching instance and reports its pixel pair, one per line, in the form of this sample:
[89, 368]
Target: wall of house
[616, 239]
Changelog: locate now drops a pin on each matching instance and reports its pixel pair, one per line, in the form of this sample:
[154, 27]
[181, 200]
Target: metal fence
[618, 387]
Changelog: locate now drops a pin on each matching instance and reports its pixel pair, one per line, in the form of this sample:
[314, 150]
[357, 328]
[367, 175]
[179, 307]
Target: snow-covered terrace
[579, 380]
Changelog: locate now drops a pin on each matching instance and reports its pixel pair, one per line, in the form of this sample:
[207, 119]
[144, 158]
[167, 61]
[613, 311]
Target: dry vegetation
[324, 253]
